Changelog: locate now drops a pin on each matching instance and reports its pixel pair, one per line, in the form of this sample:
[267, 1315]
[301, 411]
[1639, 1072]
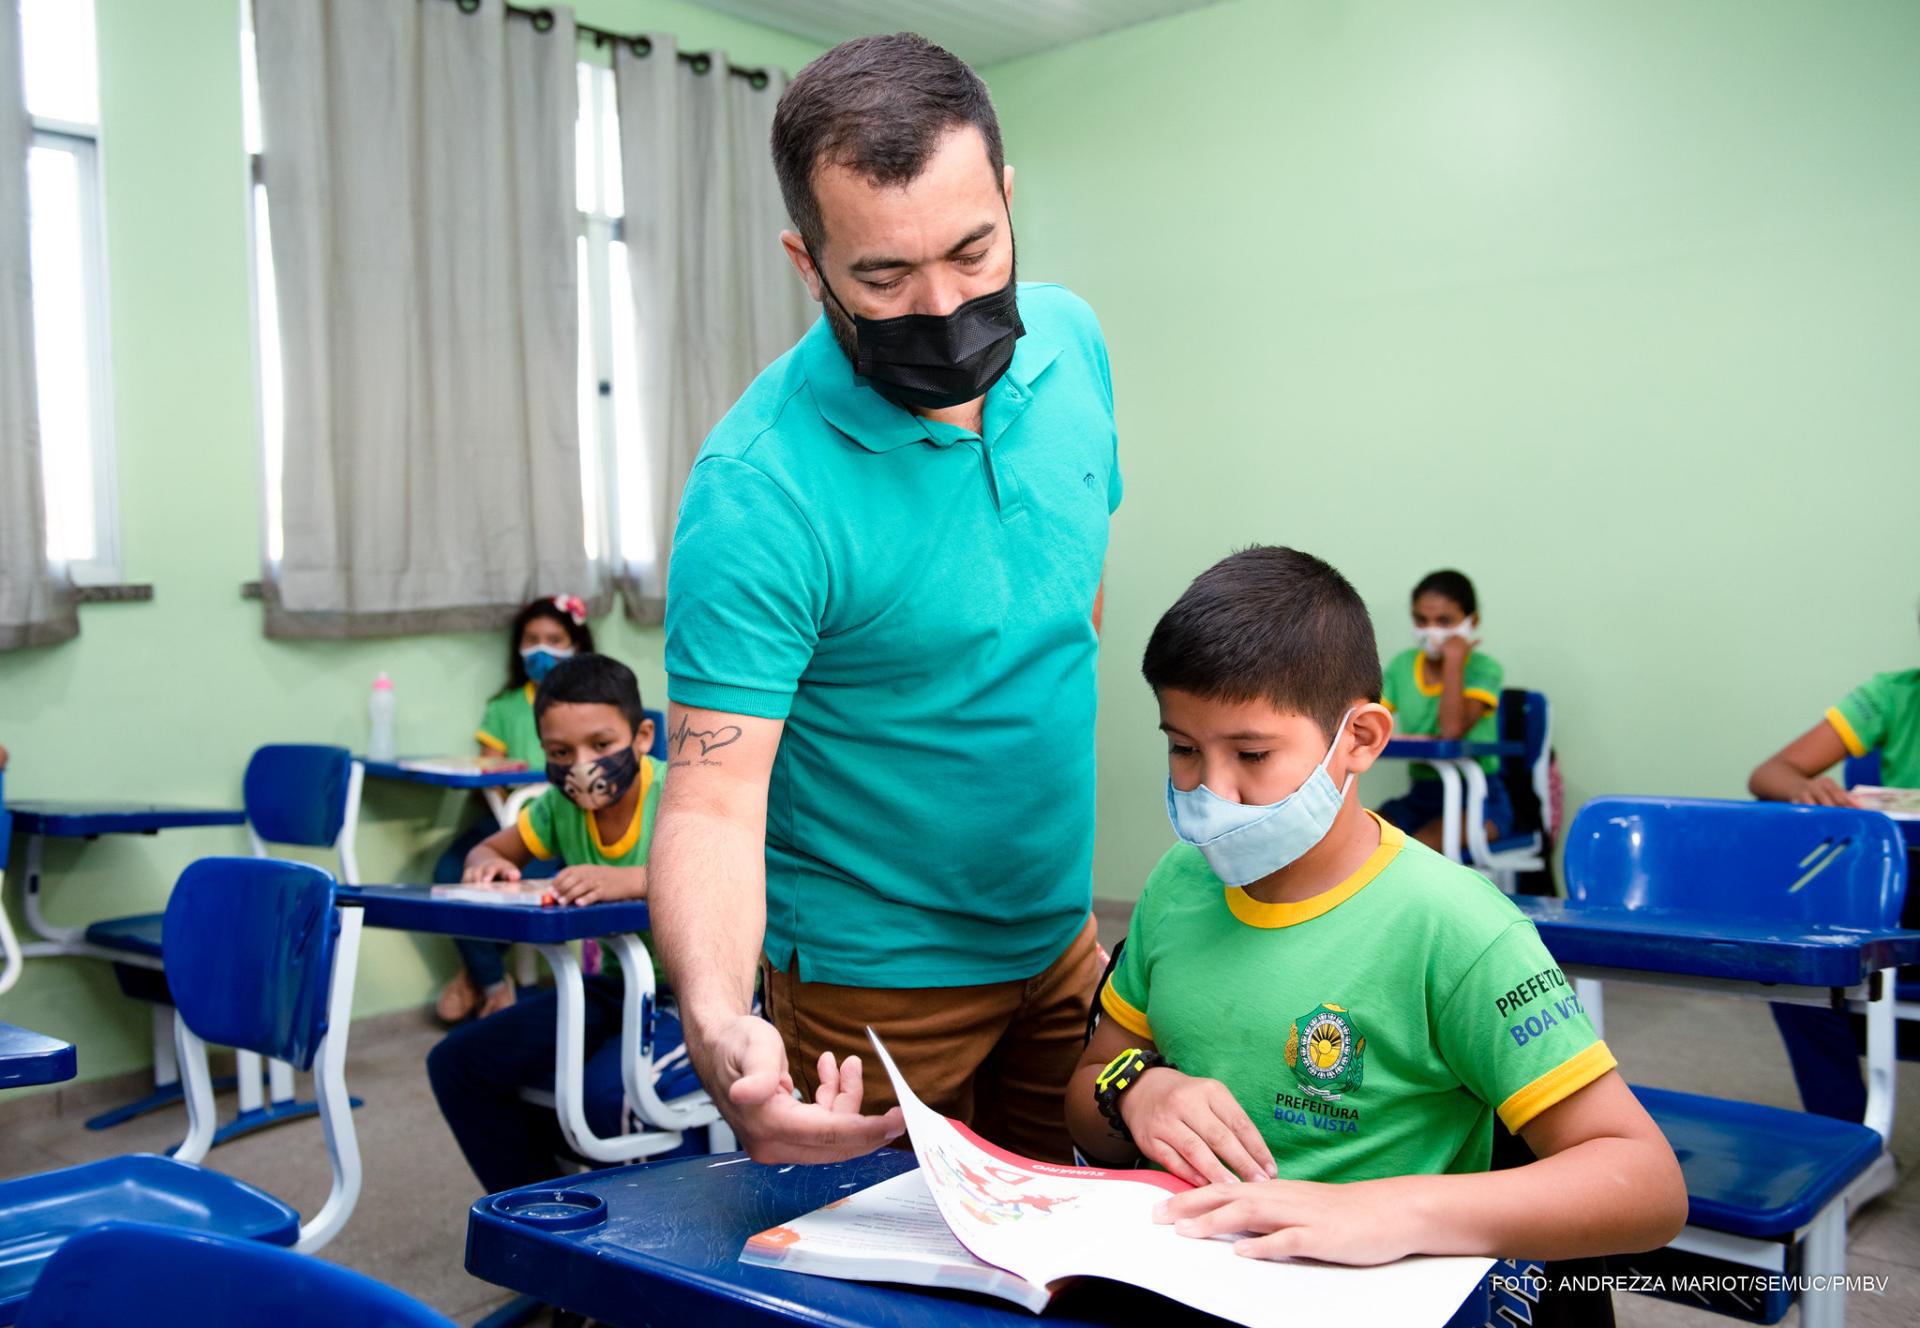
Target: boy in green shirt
[598, 816]
[1321, 1016]
[597, 813]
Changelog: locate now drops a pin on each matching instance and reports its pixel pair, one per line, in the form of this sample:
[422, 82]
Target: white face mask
[1433, 640]
[1243, 843]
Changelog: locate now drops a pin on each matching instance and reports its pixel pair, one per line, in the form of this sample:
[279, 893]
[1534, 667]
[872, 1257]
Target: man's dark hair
[1453, 585]
[876, 106]
[1269, 624]
[591, 680]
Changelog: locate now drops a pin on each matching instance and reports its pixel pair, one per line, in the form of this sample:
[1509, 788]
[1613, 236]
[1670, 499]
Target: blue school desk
[43, 820]
[660, 1243]
[33, 1058]
[1462, 778]
[506, 791]
[552, 930]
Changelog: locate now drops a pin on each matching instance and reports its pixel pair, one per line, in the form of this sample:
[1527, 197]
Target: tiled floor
[409, 1227]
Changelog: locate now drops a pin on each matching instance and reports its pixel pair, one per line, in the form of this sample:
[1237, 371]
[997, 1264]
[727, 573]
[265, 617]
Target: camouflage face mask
[593, 785]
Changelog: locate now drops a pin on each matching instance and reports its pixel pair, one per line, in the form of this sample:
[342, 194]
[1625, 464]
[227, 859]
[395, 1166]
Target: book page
[1902, 804]
[890, 1232]
[506, 894]
[1047, 1222]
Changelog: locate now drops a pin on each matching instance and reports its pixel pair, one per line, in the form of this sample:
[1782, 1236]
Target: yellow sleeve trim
[1556, 1085]
[530, 839]
[1123, 1014]
[1481, 695]
[488, 740]
[1848, 737]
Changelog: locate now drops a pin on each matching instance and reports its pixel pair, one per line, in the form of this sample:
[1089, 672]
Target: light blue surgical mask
[540, 661]
[1242, 843]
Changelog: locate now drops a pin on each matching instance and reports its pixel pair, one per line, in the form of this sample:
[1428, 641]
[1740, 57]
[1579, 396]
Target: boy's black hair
[1269, 624]
[1451, 584]
[591, 680]
[547, 606]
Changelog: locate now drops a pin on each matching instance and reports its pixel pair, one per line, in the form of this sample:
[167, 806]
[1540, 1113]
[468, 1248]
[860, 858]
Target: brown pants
[996, 1056]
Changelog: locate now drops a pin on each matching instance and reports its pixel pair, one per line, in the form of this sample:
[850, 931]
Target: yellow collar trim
[529, 691]
[1256, 914]
[1420, 676]
[631, 836]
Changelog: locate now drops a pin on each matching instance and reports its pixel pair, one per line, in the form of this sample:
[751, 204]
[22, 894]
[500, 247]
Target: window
[615, 501]
[69, 288]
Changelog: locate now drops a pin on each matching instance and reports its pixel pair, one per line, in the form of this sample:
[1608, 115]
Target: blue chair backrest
[296, 793]
[249, 954]
[659, 749]
[1760, 860]
[1861, 769]
[6, 823]
[119, 1273]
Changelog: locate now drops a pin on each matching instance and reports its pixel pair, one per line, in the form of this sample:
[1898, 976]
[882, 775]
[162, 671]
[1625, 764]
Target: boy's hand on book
[1194, 1128]
[589, 884]
[488, 870]
[1821, 791]
[1358, 1223]
[754, 1090]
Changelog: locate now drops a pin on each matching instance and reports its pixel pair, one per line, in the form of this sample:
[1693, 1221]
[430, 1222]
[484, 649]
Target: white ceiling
[981, 32]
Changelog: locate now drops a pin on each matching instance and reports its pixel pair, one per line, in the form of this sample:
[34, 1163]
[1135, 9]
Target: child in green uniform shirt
[544, 632]
[598, 816]
[1317, 1018]
[1444, 688]
[1881, 715]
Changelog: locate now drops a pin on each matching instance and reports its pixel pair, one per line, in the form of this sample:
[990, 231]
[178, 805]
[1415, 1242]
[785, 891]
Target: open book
[1902, 804]
[463, 765]
[975, 1217]
[508, 894]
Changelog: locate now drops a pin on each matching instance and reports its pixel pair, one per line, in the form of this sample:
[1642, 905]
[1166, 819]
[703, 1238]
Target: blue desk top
[33, 1058]
[413, 908]
[76, 820]
[1714, 945]
[476, 779]
[668, 1252]
[1447, 749]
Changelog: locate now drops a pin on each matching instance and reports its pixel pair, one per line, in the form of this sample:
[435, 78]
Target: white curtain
[36, 598]
[715, 297]
[419, 170]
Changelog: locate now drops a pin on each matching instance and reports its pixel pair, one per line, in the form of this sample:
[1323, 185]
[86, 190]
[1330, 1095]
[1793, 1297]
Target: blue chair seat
[38, 1213]
[1758, 1171]
[138, 935]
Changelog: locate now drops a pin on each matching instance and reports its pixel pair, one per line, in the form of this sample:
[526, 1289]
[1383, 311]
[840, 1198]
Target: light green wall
[1612, 305]
[165, 700]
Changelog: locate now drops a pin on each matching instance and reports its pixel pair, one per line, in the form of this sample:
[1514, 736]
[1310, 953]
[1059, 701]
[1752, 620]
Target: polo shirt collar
[851, 405]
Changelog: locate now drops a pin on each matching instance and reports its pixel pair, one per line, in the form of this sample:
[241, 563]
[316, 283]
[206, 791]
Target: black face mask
[593, 785]
[932, 361]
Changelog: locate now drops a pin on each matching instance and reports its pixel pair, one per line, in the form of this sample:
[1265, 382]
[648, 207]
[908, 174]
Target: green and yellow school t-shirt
[1411, 689]
[1370, 1031]
[508, 727]
[1883, 714]
[553, 825]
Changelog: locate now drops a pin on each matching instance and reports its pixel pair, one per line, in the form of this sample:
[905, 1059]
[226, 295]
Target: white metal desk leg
[1593, 1001]
[37, 922]
[246, 1073]
[1823, 1255]
[1882, 1034]
[10, 961]
[569, 1070]
[1479, 852]
[1449, 809]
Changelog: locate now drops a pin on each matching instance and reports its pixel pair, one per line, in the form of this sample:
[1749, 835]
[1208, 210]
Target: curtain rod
[542, 20]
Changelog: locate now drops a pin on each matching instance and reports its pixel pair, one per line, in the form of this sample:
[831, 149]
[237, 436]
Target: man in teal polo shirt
[880, 652]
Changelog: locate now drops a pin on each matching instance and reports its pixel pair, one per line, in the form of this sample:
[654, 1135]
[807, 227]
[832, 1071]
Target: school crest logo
[1326, 1053]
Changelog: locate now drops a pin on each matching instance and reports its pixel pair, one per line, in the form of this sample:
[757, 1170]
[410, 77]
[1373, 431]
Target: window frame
[83, 142]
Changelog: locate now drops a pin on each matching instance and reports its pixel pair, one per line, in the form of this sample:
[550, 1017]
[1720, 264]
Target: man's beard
[848, 339]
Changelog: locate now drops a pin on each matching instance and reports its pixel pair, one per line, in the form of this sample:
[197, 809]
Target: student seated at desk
[597, 818]
[1318, 1019]
[1444, 688]
[1882, 714]
[548, 630]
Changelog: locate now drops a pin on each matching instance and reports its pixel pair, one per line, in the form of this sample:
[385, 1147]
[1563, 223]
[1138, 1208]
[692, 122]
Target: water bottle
[380, 720]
